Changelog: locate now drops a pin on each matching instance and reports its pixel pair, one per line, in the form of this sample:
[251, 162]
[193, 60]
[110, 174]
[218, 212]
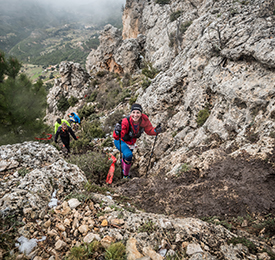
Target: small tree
[22, 104]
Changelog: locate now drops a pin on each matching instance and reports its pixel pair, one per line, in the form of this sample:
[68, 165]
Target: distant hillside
[43, 34]
[53, 45]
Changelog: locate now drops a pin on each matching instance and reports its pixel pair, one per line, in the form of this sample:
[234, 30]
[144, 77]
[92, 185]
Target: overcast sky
[97, 3]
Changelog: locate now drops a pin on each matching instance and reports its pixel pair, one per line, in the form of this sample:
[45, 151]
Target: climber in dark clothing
[64, 131]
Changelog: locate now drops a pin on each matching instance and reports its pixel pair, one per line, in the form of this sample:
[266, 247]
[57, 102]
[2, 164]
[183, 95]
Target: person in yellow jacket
[59, 122]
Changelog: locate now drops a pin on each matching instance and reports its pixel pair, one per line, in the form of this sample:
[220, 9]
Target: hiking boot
[126, 177]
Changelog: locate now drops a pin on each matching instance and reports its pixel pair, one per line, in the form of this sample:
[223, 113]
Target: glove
[158, 129]
[118, 129]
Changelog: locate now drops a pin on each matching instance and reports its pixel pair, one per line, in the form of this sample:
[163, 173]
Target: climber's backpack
[131, 134]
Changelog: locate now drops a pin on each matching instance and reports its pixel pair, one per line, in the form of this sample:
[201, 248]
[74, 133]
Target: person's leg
[125, 150]
[127, 156]
[66, 142]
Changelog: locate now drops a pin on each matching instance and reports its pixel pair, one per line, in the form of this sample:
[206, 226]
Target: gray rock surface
[37, 170]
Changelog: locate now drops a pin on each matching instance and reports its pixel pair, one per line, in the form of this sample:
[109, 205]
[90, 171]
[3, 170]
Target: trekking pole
[120, 155]
[152, 151]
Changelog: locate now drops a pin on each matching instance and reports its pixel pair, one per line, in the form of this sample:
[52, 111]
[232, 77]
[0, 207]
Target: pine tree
[22, 103]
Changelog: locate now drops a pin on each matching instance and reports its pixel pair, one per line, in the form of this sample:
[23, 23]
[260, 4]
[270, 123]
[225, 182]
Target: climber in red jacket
[126, 134]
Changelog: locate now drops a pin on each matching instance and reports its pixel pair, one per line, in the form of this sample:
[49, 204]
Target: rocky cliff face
[216, 58]
[74, 82]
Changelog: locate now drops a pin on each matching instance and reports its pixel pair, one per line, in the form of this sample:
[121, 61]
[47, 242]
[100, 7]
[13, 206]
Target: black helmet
[58, 120]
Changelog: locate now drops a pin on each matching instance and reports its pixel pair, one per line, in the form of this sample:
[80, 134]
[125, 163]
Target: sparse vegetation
[97, 189]
[63, 104]
[79, 196]
[149, 71]
[148, 227]
[162, 2]
[108, 142]
[72, 101]
[93, 164]
[184, 26]
[175, 15]
[111, 120]
[86, 111]
[23, 171]
[246, 242]
[145, 83]
[182, 169]
[132, 100]
[202, 116]
[116, 251]
[86, 251]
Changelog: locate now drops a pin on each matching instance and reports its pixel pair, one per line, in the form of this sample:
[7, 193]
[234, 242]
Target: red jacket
[143, 123]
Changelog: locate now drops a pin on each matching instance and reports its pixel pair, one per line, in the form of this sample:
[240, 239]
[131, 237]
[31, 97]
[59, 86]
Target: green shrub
[162, 2]
[183, 168]
[97, 189]
[108, 142]
[86, 251]
[72, 101]
[93, 164]
[93, 129]
[9, 226]
[90, 130]
[175, 15]
[149, 71]
[145, 83]
[184, 26]
[268, 225]
[86, 111]
[94, 82]
[23, 171]
[63, 104]
[202, 116]
[148, 227]
[101, 74]
[112, 96]
[132, 100]
[116, 251]
[79, 196]
[92, 97]
[242, 240]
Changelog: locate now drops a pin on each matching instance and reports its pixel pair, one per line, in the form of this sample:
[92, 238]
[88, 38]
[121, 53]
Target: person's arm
[146, 124]
[57, 134]
[55, 127]
[124, 127]
[78, 119]
[72, 133]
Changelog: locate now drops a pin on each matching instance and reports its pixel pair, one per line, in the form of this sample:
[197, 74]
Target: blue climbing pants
[125, 150]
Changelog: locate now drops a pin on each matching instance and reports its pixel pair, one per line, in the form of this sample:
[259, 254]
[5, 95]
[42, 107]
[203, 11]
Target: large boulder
[34, 171]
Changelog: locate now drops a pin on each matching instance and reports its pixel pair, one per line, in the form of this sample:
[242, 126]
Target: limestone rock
[74, 203]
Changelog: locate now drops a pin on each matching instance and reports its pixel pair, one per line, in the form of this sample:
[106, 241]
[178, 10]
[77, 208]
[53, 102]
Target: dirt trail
[231, 188]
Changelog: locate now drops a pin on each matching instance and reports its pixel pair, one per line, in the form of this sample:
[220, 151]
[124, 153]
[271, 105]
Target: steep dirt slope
[232, 187]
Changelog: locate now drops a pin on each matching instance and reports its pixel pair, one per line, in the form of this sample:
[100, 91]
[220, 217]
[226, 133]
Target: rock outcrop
[74, 82]
[215, 85]
[31, 173]
[115, 55]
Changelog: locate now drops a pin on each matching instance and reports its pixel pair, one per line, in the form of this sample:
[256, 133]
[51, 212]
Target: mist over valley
[48, 32]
